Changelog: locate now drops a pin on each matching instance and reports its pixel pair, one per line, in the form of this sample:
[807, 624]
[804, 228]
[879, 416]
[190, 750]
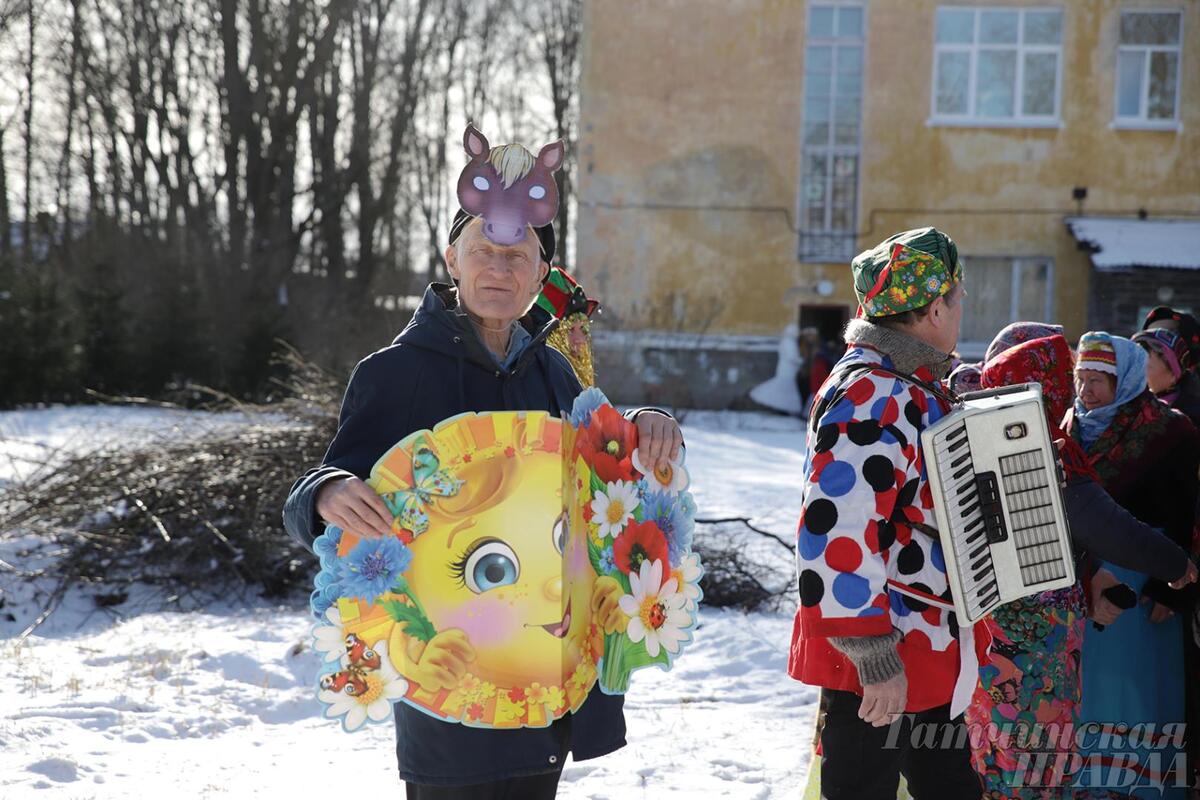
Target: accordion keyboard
[968, 532]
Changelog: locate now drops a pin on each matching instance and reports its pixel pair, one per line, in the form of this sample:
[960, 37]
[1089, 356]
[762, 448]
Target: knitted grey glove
[874, 657]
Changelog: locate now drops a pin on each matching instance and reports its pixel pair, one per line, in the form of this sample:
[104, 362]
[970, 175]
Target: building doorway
[829, 320]
[820, 344]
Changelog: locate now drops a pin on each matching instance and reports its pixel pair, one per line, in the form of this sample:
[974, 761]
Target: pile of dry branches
[192, 516]
[736, 576]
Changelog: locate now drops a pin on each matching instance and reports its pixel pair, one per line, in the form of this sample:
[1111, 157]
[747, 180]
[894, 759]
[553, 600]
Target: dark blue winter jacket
[437, 368]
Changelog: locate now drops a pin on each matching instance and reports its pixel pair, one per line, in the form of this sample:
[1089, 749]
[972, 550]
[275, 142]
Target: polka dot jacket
[864, 488]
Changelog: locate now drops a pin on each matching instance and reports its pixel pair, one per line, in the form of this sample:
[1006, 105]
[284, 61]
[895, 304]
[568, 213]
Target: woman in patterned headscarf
[965, 378]
[1012, 335]
[1034, 675]
[1170, 372]
[1146, 456]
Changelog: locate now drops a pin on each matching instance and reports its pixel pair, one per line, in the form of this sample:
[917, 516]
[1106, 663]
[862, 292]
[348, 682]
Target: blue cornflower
[608, 564]
[586, 405]
[675, 516]
[373, 566]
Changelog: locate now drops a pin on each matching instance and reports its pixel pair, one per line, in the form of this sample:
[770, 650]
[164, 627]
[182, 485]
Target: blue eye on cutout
[491, 566]
[560, 533]
[481, 183]
[537, 192]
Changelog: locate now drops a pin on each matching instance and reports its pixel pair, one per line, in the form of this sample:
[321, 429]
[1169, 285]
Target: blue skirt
[1133, 674]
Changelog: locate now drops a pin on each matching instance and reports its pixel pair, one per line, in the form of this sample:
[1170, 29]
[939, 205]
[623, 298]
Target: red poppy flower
[516, 694]
[607, 444]
[641, 541]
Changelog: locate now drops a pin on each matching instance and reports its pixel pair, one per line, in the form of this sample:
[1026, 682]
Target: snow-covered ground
[218, 703]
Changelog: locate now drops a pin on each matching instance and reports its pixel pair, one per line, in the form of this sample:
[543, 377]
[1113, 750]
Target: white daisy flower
[672, 479]
[330, 640]
[655, 610]
[688, 575]
[613, 508]
[368, 695]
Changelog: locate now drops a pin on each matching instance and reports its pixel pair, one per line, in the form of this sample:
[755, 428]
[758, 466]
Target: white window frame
[971, 119]
[975, 349]
[831, 150]
[1141, 121]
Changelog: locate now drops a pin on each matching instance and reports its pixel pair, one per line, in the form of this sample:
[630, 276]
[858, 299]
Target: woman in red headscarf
[1034, 675]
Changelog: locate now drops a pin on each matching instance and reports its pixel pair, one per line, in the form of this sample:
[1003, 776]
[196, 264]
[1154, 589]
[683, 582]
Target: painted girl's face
[498, 576]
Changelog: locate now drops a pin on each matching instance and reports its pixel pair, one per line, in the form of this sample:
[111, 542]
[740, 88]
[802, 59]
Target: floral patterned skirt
[1033, 680]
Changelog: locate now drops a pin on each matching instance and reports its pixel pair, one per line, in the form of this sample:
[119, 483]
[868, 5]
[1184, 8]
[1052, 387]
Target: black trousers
[531, 787]
[862, 762]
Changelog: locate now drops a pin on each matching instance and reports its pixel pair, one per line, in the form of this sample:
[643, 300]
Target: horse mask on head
[508, 192]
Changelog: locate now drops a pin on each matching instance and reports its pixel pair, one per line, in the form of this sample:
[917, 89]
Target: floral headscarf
[1046, 361]
[1017, 332]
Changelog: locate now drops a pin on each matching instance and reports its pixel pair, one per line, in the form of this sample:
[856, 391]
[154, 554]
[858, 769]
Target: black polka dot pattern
[820, 516]
[812, 588]
[911, 559]
[912, 602]
[908, 494]
[879, 472]
[827, 436]
[864, 433]
[912, 412]
[887, 534]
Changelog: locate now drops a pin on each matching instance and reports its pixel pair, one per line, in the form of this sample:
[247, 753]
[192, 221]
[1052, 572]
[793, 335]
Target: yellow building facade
[734, 155]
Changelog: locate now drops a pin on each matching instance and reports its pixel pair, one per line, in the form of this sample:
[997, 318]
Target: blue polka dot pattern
[837, 478]
[852, 591]
[878, 406]
[937, 557]
[842, 412]
[811, 545]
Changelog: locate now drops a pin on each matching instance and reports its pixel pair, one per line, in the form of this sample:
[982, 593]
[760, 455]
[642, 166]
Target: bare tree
[30, 63]
[558, 24]
[201, 176]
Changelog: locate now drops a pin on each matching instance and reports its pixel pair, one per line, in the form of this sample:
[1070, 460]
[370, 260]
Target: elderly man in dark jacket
[478, 345]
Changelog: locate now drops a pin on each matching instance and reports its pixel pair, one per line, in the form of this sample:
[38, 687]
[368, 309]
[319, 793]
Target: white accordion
[996, 491]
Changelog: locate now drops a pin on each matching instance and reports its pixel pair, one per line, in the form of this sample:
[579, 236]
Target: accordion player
[997, 498]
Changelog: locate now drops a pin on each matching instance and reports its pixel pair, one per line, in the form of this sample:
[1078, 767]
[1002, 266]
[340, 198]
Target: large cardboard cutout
[515, 536]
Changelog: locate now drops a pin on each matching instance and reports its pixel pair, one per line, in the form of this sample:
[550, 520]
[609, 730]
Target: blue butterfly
[429, 481]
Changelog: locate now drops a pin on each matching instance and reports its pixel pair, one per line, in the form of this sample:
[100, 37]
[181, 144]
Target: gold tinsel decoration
[579, 352]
